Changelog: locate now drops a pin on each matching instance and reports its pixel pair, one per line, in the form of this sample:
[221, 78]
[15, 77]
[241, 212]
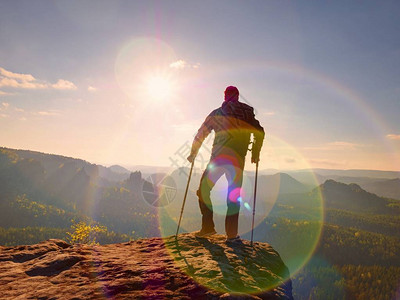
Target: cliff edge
[154, 268]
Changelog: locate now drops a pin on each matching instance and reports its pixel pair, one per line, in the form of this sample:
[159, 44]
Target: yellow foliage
[85, 233]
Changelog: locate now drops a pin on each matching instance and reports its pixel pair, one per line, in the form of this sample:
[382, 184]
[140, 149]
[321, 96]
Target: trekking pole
[254, 204]
[184, 200]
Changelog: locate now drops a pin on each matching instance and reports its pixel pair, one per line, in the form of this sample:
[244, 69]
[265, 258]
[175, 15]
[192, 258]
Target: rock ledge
[154, 268]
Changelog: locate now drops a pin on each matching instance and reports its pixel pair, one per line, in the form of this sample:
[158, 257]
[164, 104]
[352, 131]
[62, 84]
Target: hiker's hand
[255, 159]
[191, 158]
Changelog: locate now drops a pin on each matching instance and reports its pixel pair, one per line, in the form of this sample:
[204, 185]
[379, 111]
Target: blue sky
[323, 78]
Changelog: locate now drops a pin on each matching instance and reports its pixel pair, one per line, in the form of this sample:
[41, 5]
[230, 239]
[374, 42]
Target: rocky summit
[154, 268]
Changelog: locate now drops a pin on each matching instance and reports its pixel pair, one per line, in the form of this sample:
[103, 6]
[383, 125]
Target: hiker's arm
[258, 140]
[202, 133]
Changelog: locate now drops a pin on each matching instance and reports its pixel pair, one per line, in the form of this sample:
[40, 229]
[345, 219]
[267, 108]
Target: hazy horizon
[130, 83]
[199, 166]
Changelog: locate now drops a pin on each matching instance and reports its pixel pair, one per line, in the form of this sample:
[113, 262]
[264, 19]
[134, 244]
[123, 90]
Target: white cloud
[327, 163]
[338, 145]
[181, 64]
[345, 145]
[27, 81]
[91, 88]
[48, 113]
[18, 76]
[269, 113]
[393, 136]
[64, 85]
[7, 110]
[21, 83]
[5, 93]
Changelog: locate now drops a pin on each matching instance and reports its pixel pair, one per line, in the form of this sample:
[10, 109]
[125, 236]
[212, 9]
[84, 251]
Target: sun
[159, 87]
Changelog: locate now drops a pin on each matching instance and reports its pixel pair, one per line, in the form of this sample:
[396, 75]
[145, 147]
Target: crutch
[184, 200]
[254, 204]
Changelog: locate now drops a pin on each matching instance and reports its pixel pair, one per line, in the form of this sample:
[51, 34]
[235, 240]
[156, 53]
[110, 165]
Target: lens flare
[290, 222]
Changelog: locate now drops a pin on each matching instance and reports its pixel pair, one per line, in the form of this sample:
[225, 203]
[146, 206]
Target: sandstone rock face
[155, 268]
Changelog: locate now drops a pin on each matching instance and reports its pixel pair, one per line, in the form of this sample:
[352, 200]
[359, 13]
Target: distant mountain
[357, 173]
[148, 170]
[352, 197]
[119, 169]
[361, 181]
[314, 177]
[111, 175]
[52, 162]
[389, 188]
[269, 186]
[382, 183]
[384, 187]
[280, 183]
[309, 177]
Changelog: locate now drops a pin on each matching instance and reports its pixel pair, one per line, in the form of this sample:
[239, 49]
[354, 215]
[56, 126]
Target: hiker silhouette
[233, 123]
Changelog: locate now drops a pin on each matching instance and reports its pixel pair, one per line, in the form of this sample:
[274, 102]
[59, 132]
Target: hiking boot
[203, 233]
[233, 239]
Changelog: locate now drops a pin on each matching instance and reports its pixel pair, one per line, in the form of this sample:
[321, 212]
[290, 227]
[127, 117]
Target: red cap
[231, 93]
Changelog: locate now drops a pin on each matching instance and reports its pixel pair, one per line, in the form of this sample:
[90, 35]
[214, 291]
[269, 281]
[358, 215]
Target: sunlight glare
[159, 88]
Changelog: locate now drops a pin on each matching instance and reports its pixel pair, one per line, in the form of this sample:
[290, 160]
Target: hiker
[233, 124]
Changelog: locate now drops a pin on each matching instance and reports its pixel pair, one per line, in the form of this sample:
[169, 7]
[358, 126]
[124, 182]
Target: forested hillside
[358, 252]
[46, 192]
[338, 240]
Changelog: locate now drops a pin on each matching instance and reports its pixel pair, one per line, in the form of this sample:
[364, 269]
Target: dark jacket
[233, 124]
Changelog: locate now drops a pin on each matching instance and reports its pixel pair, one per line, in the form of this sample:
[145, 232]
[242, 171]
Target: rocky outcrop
[155, 268]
